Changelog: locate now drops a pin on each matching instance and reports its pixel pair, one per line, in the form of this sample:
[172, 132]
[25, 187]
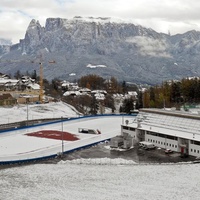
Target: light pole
[27, 110]
[122, 118]
[134, 105]
[62, 135]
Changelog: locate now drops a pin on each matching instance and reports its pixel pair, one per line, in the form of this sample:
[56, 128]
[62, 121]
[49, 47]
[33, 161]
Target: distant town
[92, 94]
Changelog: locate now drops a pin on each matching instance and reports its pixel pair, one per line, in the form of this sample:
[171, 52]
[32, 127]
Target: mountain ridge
[129, 52]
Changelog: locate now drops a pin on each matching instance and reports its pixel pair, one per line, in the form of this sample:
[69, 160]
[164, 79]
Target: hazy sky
[176, 16]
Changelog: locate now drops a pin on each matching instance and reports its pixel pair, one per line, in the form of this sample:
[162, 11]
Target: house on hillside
[131, 94]
[27, 98]
[85, 91]
[4, 76]
[33, 88]
[7, 100]
[7, 84]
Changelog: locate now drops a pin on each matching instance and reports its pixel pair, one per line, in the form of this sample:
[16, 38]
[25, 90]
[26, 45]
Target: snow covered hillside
[36, 111]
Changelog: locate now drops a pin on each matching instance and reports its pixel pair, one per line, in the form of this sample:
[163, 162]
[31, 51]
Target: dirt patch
[51, 134]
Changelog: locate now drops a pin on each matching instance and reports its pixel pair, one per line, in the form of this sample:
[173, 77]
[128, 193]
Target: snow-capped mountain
[5, 42]
[81, 46]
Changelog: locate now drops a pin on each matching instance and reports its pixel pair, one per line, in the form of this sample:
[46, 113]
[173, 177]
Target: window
[125, 127]
[196, 142]
[191, 150]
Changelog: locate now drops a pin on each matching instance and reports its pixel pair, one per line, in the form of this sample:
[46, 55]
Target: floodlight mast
[41, 84]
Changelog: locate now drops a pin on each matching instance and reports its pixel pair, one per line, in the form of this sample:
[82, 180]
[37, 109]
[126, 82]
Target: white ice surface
[16, 145]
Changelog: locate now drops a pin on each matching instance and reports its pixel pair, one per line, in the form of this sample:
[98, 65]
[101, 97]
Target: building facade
[167, 129]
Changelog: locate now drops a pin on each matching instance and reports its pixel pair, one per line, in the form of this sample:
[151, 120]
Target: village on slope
[27, 91]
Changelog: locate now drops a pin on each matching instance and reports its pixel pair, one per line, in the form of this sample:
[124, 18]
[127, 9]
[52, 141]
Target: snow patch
[99, 161]
[95, 66]
[72, 74]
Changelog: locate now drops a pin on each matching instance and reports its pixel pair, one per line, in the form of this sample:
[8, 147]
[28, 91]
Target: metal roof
[180, 124]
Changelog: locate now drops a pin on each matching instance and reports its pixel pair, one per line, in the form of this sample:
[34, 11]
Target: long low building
[167, 129]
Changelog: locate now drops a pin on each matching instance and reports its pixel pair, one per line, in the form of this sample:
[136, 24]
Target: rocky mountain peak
[33, 35]
[5, 42]
[129, 52]
[53, 24]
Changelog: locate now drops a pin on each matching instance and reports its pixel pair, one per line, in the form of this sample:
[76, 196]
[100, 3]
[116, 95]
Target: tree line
[173, 94]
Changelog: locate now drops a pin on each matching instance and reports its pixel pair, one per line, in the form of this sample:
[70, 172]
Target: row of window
[195, 142]
[128, 128]
[195, 151]
[163, 143]
[161, 135]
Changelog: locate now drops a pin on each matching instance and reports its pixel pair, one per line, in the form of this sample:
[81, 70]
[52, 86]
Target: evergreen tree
[94, 106]
[127, 105]
[175, 92]
[34, 75]
[18, 75]
[124, 87]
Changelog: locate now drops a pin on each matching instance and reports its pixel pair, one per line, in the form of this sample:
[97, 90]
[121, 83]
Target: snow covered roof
[98, 91]
[99, 96]
[4, 81]
[85, 90]
[68, 93]
[132, 93]
[180, 124]
[65, 83]
[34, 86]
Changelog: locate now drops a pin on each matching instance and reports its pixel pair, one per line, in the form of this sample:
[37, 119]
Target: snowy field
[99, 179]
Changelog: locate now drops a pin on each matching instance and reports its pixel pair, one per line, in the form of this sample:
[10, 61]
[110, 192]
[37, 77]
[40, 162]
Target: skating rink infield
[51, 139]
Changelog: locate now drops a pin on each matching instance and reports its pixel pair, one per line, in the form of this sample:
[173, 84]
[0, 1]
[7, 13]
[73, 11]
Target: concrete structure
[167, 129]
[124, 141]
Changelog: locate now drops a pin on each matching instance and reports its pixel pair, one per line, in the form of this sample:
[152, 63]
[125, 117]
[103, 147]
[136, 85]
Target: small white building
[167, 129]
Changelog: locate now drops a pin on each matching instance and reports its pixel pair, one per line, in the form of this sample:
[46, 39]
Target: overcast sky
[174, 16]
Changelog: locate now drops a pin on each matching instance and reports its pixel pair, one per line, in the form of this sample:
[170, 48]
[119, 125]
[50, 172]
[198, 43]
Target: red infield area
[51, 134]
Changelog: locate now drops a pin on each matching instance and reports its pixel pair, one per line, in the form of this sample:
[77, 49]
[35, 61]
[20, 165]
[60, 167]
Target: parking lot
[137, 154]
